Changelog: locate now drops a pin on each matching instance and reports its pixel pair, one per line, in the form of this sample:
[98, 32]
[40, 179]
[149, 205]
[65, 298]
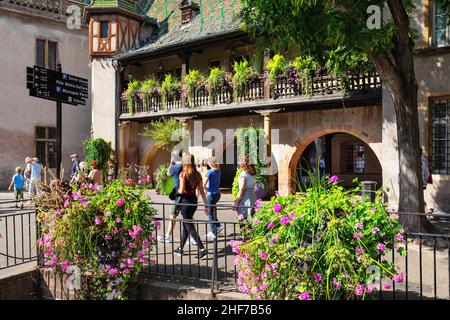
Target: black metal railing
[217, 268]
[18, 235]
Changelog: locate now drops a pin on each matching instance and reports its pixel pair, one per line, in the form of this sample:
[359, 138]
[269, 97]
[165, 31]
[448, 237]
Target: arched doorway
[155, 157]
[338, 153]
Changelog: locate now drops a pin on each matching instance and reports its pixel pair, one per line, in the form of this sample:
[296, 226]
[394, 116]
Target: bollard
[368, 191]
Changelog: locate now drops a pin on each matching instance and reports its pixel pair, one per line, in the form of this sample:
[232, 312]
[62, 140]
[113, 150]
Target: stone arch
[151, 153]
[312, 134]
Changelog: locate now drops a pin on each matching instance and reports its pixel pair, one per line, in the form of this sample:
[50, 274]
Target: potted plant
[170, 89]
[193, 82]
[148, 90]
[131, 95]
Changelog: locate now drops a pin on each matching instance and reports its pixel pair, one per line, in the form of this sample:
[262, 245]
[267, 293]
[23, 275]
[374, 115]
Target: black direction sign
[57, 86]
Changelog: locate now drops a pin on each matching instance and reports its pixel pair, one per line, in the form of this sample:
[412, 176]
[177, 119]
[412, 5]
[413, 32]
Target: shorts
[18, 194]
[175, 209]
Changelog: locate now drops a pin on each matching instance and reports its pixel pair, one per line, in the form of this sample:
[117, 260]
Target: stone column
[267, 114]
[184, 70]
[122, 152]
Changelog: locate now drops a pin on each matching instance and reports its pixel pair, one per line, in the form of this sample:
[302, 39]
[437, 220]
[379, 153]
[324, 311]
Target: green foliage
[215, 81]
[193, 81]
[169, 87]
[164, 184]
[102, 231]
[243, 72]
[167, 133]
[318, 245]
[131, 92]
[98, 150]
[276, 67]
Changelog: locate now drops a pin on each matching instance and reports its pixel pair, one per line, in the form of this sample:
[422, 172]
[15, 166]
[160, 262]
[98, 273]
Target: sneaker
[165, 239]
[210, 236]
[201, 255]
[178, 252]
[191, 241]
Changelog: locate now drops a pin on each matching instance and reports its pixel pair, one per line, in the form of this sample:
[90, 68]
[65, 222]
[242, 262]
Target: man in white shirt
[36, 177]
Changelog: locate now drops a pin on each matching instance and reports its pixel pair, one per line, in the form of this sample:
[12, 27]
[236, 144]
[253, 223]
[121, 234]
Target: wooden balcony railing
[255, 90]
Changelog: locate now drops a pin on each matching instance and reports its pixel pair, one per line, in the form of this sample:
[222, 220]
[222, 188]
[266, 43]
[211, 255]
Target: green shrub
[166, 133]
[322, 244]
[98, 150]
[164, 184]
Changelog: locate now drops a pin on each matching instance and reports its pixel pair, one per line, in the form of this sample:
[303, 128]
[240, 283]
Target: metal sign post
[62, 88]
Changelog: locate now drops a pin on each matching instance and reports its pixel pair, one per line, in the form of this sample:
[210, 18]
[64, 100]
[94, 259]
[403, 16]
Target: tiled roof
[215, 18]
[127, 5]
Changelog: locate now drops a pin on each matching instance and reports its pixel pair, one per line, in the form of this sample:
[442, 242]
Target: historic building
[353, 130]
[36, 33]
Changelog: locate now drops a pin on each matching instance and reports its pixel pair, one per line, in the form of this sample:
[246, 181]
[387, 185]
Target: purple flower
[386, 286]
[373, 209]
[375, 230]
[275, 238]
[256, 221]
[258, 203]
[357, 235]
[107, 213]
[64, 265]
[263, 255]
[304, 296]
[359, 250]
[284, 220]
[277, 208]
[399, 237]
[398, 278]
[97, 221]
[318, 277]
[112, 271]
[118, 220]
[334, 179]
[277, 194]
[292, 216]
[380, 247]
[359, 225]
[359, 290]
[336, 283]
[270, 225]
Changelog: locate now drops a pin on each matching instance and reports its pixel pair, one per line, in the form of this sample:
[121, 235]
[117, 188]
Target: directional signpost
[60, 87]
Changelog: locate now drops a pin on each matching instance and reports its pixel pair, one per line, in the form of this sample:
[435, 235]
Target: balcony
[257, 93]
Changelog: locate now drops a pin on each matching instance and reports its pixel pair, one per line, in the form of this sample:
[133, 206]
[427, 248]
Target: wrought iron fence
[18, 235]
[426, 266]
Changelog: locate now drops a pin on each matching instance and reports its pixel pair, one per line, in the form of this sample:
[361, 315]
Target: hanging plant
[131, 94]
[243, 72]
[276, 67]
[148, 89]
[193, 82]
[214, 83]
[166, 133]
[169, 88]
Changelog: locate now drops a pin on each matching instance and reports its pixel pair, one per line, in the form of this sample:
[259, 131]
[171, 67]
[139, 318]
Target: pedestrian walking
[174, 170]
[27, 172]
[246, 196]
[17, 182]
[190, 182]
[36, 178]
[212, 186]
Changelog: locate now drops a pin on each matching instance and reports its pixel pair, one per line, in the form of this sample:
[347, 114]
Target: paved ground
[187, 266]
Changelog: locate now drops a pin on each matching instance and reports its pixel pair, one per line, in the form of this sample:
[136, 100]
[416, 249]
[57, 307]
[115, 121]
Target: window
[45, 139]
[440, 136]
[354, 158]
[104, 32]
[441, 28]
[46, 53]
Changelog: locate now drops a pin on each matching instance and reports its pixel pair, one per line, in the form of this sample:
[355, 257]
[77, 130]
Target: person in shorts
[18, 182]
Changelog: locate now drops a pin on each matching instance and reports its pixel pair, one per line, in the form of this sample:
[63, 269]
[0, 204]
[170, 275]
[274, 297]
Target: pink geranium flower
[304, 296]
[398, 278]
[284, 220]
[334, 179]
[380, 247]
[98, 221]
[359, 290]
[318, 277]
[270, 225]
[263, 255]
[277, 208]
[120, 202]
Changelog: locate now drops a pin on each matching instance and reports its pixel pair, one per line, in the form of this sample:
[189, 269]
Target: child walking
[17, 181]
